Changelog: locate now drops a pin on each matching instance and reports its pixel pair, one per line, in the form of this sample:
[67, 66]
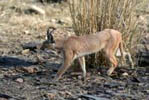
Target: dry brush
[89, 16]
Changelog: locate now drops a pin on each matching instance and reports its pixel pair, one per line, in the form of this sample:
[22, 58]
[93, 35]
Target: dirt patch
[23, 77]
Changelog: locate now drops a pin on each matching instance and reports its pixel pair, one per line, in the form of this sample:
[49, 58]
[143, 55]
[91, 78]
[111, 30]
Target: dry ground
[22, 77]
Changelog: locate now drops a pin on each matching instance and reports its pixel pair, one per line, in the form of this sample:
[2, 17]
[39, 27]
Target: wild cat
[76, 47]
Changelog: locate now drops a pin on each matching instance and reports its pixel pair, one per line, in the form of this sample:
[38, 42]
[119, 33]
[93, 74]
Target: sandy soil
[22, 77]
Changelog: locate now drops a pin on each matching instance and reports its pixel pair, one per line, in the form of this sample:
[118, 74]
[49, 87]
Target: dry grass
[87, 16]
[14, 18]
[95, 15]
[18, 27]
[18, 10]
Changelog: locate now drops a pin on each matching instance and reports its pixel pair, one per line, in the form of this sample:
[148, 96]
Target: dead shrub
[89, 16]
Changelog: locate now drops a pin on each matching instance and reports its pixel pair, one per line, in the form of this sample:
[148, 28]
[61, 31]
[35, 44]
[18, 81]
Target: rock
[79, 99]
[31, 45]
[35, 9]
[125, 74]
[19, 80]
[147, 91]
[79, 77]
[111, 84]
[147, 47]
[1, 75]
[65, 93]
[52, 94]
[135, 79]
[12, 99]
[26, 51]
[53, 20]
[4, 97]
[99, 73]
[91, 97]
[68, 93]
[27, 32]
[30, 69]
[40, 59]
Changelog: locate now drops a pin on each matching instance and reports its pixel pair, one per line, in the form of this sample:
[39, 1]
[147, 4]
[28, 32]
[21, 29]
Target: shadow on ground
[7, 61]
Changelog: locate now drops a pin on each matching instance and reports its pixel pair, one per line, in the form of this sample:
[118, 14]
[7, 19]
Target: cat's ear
[50, 37]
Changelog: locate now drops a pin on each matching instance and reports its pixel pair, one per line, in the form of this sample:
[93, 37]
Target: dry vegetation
[22, 77]
[18, 23]
[17, 13]
[90, 16]
[87, 17]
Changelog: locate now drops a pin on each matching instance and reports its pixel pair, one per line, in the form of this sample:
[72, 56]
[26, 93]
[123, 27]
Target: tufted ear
[50, 37]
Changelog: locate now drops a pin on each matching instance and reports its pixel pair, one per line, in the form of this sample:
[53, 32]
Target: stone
[3, 99]
[31, 45]
[80, 77]
[52, 94]
[91, 97]
[30, 69]
[125, 74]
[26, 51]
[19, 80]
[1, 75]
[36, 9]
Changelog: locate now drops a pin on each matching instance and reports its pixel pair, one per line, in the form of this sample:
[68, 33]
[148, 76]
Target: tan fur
[76, 47]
